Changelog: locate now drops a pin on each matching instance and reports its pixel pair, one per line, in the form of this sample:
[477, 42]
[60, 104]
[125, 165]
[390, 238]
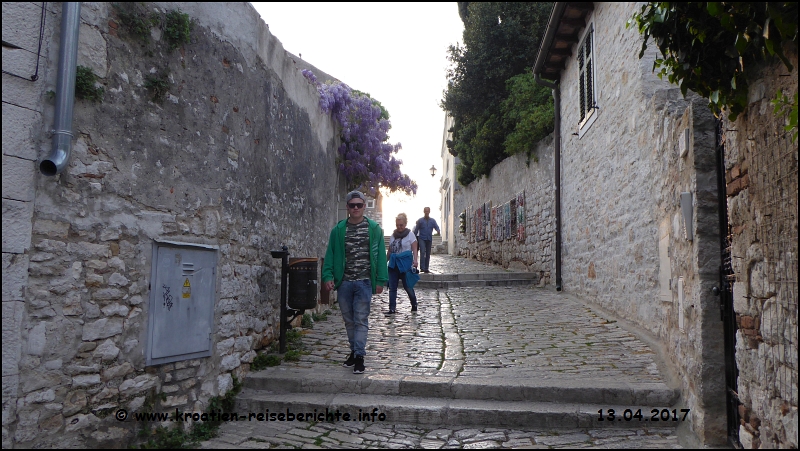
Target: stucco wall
[761, 175]
[238, 156]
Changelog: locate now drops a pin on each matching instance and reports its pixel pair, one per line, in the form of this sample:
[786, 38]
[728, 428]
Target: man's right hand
[329, 285]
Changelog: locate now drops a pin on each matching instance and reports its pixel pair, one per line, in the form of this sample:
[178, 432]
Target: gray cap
[355, 194]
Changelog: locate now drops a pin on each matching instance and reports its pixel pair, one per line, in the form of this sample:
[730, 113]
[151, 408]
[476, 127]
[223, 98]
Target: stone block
[102, 328]
[185, 374]
[116, 309]
[22, 92]
[85, 380]
[107, 294]
[18, 178]
[12, 341]
[225, 347]
[17, 226]
[37, 339]
[92, 51]
[48, 395]
[74, 369]
[56, 247]
[173, 401]
[85, 250]
[243, 344]
[224, 383]
[15, 276]
[106, 351]
[231, 361]
[118, 280]
[117, 371]
[81, 422]
[18, 124]
[116, 263]
[138, 384]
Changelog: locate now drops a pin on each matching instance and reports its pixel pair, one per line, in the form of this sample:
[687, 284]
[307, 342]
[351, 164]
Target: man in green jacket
[355, 265]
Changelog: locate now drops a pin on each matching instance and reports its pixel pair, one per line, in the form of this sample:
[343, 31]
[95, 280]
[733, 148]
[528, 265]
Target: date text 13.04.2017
[655, 415]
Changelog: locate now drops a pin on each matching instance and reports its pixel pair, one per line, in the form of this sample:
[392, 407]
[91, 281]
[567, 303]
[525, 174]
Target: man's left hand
[379, 290]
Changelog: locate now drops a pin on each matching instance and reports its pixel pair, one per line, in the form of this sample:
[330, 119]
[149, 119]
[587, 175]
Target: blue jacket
[423, 229]
[403, 262]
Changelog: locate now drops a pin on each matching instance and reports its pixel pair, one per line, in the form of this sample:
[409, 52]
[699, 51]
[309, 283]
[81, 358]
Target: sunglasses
[359, 205]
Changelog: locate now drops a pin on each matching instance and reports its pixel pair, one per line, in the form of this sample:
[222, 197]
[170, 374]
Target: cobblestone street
[515, 334]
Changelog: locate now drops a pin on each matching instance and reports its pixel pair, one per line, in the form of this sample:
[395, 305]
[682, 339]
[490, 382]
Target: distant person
[402, 256]
[355, 265]
[423, 229]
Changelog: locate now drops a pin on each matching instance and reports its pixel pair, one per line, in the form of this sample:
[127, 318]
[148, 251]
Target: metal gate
[725, 293]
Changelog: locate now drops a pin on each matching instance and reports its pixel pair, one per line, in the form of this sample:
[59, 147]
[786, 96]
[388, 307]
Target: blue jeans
[355, 297]
[394, 277]
[424, 254]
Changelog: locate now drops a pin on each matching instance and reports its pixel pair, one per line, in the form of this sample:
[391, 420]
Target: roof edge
[550, 34]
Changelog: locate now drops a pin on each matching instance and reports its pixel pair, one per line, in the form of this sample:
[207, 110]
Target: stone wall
[23, 108]
[761, 175]
[514, 174]
[238, 157]
[623, 241]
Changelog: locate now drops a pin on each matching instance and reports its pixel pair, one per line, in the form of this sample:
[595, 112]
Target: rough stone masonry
[237, 156]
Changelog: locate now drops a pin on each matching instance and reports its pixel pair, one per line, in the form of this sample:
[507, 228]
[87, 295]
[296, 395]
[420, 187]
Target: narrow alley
[475, 367]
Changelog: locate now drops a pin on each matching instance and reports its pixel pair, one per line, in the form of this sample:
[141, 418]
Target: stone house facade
[448, 190]
[624, 200]
[219, 168]
[640, 179]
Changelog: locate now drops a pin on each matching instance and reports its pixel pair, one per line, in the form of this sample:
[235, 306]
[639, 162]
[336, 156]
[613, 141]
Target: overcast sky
[396, 52]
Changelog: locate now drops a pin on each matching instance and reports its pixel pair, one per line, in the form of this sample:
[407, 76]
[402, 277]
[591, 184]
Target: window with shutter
[588, 104]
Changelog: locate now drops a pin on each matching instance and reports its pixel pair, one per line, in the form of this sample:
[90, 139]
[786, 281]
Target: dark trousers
[396, 276]
[424, 254]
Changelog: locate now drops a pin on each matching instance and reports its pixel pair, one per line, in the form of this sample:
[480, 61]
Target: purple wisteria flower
[365, 157]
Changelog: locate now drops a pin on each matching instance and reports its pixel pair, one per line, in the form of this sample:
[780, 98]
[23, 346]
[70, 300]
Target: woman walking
[402, 256]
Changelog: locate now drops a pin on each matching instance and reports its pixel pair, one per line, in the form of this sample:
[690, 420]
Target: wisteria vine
[365, 156]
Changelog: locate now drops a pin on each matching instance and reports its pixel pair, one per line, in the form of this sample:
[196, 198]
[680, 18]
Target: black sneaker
[413, 308]
[351, 360]
[359, 367]
[390, 312]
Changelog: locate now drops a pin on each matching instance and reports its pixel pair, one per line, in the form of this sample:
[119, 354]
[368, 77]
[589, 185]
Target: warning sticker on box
[187, 289]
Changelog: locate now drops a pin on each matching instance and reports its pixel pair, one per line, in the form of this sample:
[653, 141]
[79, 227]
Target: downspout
[65, 91]
[557, 157]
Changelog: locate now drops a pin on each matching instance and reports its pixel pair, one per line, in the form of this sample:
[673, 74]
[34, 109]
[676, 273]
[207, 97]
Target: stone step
[435, 241]
[444, 411]
[473, 283]
[494, 279]
[283, 380]
[478, 276]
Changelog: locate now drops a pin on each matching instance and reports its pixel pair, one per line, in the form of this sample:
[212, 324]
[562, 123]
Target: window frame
[371, 203]
[593, 112]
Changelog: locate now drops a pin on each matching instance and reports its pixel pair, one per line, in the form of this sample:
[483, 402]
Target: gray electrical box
[182, 297]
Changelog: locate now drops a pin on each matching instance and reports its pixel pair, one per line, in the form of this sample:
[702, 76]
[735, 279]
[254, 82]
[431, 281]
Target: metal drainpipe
[65, 91]
[557, 151]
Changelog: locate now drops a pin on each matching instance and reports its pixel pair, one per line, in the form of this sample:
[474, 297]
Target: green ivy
[528, 112]
[782, 103]
[158, 86]
[177, 28]
[86, 85]
[176, 437]
[265, 360]
[135, 20]
[707, 47]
